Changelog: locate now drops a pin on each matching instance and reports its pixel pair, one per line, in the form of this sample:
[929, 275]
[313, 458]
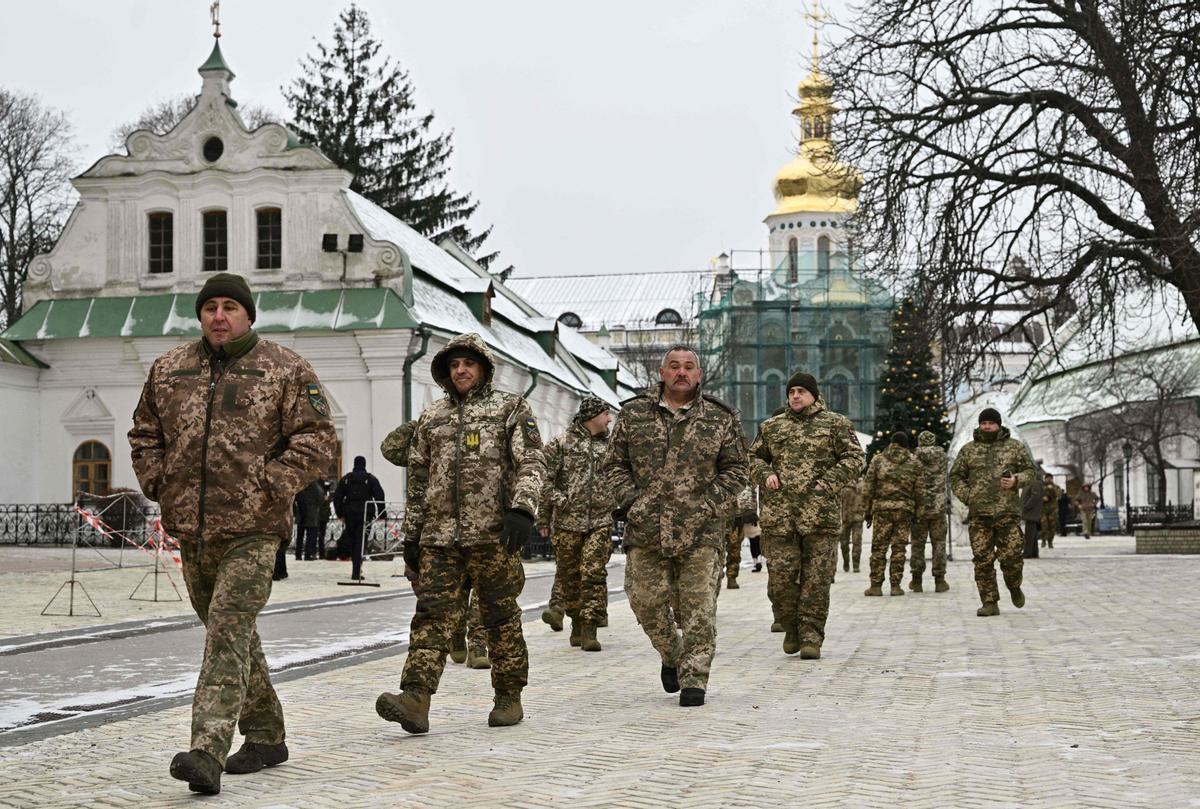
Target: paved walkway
[1087, 697]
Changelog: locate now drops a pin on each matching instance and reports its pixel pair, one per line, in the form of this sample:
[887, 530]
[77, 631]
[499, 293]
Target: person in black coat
[357, 501]
[1064, 513]
[308, 518]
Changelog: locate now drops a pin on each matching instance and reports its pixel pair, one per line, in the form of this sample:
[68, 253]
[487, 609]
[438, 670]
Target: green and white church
[361, 295]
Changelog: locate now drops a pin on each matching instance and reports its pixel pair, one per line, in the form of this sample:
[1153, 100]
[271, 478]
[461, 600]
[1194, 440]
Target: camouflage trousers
[890, 529]
[802, 568]
[556, 591]
[1049, 528]
[851, 533]
[471, 624]
[768, 550]
[933, 529]
[581, 571]
[733, 551]
[995, 538]
[1087, 520]
[690, 580]
[497, 578]
[228, 583]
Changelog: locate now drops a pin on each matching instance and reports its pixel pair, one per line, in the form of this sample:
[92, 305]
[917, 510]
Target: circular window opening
[213, 149]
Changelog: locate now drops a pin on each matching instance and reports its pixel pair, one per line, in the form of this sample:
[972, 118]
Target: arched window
[793, 260]
[161, 227]
[570, 319]
[823, 254]
[91, 468]
[269, 225]
[216, 242]
[839, 395]
[668, 317]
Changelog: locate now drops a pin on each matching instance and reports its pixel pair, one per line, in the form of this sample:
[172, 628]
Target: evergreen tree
[359, 109]
[910, 395]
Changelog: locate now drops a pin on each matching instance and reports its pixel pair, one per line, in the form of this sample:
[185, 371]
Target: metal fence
[38, 523]
[1160, 515]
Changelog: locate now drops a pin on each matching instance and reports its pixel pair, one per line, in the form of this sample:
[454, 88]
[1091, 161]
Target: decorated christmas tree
[910, 394]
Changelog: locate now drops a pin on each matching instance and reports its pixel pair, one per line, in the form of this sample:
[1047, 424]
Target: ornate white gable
[87, 415]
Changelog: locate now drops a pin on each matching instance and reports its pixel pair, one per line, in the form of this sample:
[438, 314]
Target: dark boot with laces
[252, 757]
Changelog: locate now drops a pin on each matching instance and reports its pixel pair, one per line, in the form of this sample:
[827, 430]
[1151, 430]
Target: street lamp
[1127, 451]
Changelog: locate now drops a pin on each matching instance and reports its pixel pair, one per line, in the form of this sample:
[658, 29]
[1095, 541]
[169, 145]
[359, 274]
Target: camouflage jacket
[935, 464]
[975, 476]
[395, 447]
[894, 483]
[223, 445]
[853, 506]
[1086, 501]
[577, 497]
[471, 459]
[813, 446]
[1050, 495]
[679, 474]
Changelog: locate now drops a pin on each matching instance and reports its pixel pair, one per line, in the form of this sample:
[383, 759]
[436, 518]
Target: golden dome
[815, 180]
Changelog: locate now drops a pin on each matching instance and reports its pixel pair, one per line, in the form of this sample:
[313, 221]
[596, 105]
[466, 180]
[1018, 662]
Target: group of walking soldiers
[231, 426]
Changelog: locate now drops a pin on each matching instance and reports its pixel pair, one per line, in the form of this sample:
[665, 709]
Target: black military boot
[670, 679]
[1018, 598]
[691, 697]
[915, 585]
[199, 769]
[252, 757]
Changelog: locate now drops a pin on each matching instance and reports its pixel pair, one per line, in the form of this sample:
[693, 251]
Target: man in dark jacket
[357, 500]
[1031, 513]
[308, 519]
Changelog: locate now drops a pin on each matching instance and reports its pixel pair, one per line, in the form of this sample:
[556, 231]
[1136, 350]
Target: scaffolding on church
[770, 315]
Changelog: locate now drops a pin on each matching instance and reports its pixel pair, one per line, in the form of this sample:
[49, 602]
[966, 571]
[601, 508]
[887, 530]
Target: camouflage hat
[590, 407]
[227, 285]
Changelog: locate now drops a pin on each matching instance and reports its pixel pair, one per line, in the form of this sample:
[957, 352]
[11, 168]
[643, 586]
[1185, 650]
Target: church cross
[815, 16]
[214, 13]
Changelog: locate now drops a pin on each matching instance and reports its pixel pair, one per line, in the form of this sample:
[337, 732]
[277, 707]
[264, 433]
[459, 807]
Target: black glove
[749, 518]
[868, 520]
[515, 531]
[619, 514]
[412, 553]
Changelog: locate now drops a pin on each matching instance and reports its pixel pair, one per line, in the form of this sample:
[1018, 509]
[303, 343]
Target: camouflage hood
[926, 439]
[440, 367]
[934, 462]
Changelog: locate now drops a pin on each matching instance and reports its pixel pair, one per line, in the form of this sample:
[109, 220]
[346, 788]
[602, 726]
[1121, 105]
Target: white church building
[362, 296]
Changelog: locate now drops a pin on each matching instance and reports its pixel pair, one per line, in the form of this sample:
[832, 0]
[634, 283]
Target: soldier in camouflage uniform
[891, 498]
[803, 458]
[475, 474]
[987, 476]
[1086, 502]
[853, 514]
[577, 504]
[1050, 495]
[676, 463]
[394, 449]
[930, 521]
[227, 430]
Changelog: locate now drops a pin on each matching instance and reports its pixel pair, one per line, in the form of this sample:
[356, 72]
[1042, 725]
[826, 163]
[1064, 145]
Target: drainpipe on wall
[408, 364]
[532, 384]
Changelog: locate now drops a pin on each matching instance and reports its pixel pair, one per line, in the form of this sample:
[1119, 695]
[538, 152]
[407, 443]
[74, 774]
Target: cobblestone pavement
[1087, 697]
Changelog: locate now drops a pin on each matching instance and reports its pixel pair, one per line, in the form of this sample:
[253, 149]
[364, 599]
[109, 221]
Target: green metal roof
[216, 60]
[12, 353]
[175, 315]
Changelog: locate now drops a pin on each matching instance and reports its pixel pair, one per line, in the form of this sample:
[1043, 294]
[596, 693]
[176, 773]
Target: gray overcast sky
[630, 135]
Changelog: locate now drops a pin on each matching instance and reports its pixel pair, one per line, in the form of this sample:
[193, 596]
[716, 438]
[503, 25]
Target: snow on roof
[423, 253]
[585, 349]
[1153, 329]
[632, 300]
